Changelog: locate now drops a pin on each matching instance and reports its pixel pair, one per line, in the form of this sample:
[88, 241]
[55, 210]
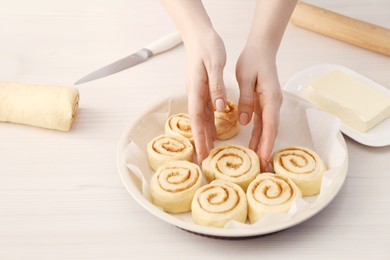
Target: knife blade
[161, 45]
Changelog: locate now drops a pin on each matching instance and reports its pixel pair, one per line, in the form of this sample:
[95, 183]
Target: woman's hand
[260, 93]
[206, 58]
[260, 98]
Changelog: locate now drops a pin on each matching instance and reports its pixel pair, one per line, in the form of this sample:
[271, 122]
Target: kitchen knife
[166, 43]
[356, 32]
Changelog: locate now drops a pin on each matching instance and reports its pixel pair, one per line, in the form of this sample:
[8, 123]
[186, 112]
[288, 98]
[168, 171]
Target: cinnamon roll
[303, 166]
[226, 122]
[216, 203]
[231, 162]
[174, 184]
[165, 148]
[270, 193]
[179, 124]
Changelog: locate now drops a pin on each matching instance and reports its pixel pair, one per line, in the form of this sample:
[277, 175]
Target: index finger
[270, 125]
[197, 115]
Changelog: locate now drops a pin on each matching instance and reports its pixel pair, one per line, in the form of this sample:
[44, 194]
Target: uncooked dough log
[47, 106]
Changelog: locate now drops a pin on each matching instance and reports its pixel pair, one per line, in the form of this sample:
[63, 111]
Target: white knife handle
[165, 43]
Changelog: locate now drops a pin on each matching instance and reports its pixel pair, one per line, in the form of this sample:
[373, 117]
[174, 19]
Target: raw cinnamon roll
[226, 123]
[231, 162]
[179, 124]
[301, 165]
[174, 185]
[165, 148]
[218, 202]
[270, 193]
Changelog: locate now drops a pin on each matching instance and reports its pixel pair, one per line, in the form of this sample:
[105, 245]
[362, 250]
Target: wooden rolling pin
[341, 27]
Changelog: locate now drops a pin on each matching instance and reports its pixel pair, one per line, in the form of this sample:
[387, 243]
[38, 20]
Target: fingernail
[220, 105]
[243, 119]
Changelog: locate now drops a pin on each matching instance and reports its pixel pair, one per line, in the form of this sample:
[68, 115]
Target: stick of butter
[48, 106]
[357, 104]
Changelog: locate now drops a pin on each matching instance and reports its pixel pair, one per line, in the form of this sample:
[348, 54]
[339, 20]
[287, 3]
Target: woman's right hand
[206, 59]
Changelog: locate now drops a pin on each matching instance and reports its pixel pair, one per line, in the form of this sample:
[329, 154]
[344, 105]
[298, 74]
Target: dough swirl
[216, 203]
[270, 193]
[301, 165]
[174, 184]
[226, 122]
[179, 124]
[165, 148]
[232, 162]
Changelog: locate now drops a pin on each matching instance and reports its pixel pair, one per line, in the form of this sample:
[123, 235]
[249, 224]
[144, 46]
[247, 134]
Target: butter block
[356, 103]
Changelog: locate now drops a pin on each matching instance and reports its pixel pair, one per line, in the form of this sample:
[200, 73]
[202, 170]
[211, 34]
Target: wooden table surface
[60, 192]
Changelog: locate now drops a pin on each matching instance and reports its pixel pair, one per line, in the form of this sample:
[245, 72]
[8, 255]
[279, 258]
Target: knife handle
[343, 28]
[167, 42]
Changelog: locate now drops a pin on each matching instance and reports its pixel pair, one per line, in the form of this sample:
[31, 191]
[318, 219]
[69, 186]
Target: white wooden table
[60, 193]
